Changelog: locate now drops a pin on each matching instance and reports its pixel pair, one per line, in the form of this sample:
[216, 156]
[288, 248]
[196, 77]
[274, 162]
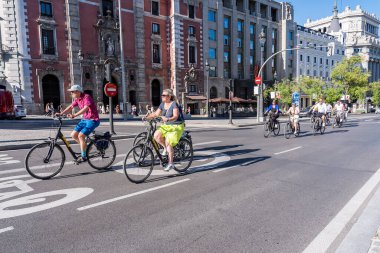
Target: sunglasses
[164, 95]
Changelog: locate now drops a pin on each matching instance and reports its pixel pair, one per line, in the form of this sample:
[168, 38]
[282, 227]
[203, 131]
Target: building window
[315, 73]
[156, 53]
[226, 57]
[191, 54]
[239, 43]
[321, 61]
[308, 58]
[251, 59]
[155, 8]
[301, 72]
[240, 26]
[107, 6]
[212, 53]
[290, 35]
[155, 28]
[211, 16]
[332, 62]
[252, 29]
[191, 31]
[308, 72]
[327, 61]
[192, 88]
[301, 57]
[239, 58]
[48, 45]
[251, 45]
[226, 40]
[212, 34]
[342, 52]
[337, 51]
[191, 11]
[212, 71]
[315, 60]
[226, 23]
[46, 9]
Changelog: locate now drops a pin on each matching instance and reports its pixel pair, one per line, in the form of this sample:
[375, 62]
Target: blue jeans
[86, 126]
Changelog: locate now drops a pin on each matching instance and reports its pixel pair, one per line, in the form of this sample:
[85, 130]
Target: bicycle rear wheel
[44, 160]
[183, 155]
[101, 158]
[288, 130]
[138, 163]
[266, 129]
[139, 138]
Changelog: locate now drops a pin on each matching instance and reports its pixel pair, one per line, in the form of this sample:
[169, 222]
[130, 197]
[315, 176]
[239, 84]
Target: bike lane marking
[6, 229]
[289, 150]
[331, 232]
[5, 159]
[131, 195]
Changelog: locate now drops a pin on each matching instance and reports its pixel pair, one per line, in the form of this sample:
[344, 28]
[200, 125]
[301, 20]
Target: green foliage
[333, 93]
[312, 87]
[350, 75]
[375, 88]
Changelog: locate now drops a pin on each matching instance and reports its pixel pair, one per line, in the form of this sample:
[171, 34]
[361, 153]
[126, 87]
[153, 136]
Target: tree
[332, 93]
[375, 88]
[312, 87]
[284, 89]
[351, 76]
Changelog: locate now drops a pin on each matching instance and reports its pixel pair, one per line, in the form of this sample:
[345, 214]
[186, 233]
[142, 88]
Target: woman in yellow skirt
[168, 134]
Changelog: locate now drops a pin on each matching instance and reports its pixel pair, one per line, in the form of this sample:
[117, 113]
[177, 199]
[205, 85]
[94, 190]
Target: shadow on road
[326, 133]
[218, 148]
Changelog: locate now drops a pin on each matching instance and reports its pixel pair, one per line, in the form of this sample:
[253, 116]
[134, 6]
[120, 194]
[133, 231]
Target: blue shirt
[271, 108]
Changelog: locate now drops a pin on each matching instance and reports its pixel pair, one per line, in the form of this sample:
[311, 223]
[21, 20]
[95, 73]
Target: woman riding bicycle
[294, 114]
[274, 112]
[171, 131]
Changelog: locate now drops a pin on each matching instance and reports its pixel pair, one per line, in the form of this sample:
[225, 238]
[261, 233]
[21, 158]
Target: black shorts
[321, 114]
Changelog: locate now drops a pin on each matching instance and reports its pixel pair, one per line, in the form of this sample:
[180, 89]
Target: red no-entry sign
[258, 80]
[110, 89]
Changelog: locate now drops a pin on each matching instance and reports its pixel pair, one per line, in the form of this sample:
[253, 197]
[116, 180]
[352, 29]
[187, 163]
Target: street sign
[256, 90]
[272, 94]
[258, 80]
[110, 89]
[296, 98]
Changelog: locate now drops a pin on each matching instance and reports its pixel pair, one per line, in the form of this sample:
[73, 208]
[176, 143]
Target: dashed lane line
[131, 195]
[6, 229]
[289, 150]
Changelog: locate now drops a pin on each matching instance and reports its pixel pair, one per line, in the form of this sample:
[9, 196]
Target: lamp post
[81, 57]
[260, 107]
[123, 80]
[207, 67]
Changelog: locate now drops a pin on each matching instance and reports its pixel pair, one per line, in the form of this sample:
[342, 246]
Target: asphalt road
[246, 193]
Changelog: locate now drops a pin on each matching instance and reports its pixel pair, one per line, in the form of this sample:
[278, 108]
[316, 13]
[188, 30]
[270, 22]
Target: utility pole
[123, 81]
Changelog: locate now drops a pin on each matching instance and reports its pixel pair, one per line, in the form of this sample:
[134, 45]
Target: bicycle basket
[105, 135]
[102, 143]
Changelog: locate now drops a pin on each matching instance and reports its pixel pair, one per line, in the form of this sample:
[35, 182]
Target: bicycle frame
[151, 131]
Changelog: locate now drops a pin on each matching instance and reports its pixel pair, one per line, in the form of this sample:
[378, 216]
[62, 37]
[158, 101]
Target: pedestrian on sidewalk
[90, 119]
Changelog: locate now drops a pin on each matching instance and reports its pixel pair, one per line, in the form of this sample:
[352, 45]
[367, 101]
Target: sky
[317, 9]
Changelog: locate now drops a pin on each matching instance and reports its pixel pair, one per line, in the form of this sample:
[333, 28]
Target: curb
[70, 141]
[375, 245]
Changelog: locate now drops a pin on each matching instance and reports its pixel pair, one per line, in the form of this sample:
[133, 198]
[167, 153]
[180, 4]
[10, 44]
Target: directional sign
[296, 98]
[110, 89]
[258, 80]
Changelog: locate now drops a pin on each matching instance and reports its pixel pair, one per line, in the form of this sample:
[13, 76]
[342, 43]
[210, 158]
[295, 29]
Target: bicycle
[45, 160]
[338, 120]
[289, 129]
[139, 161]
[271, 125]
[318, 126]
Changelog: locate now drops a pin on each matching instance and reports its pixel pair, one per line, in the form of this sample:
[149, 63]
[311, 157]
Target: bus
[6, 104]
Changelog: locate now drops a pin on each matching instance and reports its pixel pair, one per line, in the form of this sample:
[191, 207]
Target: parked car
[20, 112]
[305, 112]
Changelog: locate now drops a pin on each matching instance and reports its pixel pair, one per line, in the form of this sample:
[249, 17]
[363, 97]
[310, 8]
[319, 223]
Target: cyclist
[294, 114]
[339, 108]
[274, 112]
[168, 134]
[322, 110]
[328, 110]
[90, 119]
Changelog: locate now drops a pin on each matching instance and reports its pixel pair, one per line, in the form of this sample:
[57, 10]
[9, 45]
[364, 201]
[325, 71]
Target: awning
[238, 100]
[197, 98]
[219, 100]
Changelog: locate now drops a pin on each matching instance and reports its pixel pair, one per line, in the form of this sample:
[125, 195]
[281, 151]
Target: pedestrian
[117, 109]
[107, 109]
[189, 110]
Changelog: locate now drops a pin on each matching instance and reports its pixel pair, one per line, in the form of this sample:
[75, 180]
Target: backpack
[181, 117]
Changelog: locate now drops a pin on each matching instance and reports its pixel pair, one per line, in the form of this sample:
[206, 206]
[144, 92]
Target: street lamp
[207, 67]
[81, 57]
[260, 107]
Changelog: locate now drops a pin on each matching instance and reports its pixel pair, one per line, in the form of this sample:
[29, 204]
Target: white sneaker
[323, 124]
[169, 167]
[164, 152]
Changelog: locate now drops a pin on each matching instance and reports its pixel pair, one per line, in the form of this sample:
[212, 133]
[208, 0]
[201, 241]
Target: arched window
[213, 92]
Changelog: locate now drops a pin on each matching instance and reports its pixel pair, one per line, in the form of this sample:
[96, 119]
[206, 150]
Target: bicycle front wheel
[276, 128]
[101, 158]
[266, 130]
[288, 131]
[44, 160]
[316, 127]
[183, 155]
[138, 164]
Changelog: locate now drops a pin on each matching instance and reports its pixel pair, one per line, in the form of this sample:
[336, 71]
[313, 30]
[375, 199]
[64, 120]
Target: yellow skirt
[172, 133]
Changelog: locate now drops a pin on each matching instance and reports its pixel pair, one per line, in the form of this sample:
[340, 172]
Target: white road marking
[5, 159]
[368, 120]
[131, 195]
[285, 151]
[328, 235]
[220, 170]
[6, 229]
[205, 143]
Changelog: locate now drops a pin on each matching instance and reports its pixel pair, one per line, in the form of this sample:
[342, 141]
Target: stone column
[74, 40]
[141, 95]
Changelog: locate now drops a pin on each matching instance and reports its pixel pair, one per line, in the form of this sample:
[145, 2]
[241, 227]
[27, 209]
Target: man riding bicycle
[294, 114]
[90, 119]
[339, 108]
[274, 112]
[322, 110]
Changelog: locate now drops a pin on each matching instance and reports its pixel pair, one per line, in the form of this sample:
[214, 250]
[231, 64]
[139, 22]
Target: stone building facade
[358, 31]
